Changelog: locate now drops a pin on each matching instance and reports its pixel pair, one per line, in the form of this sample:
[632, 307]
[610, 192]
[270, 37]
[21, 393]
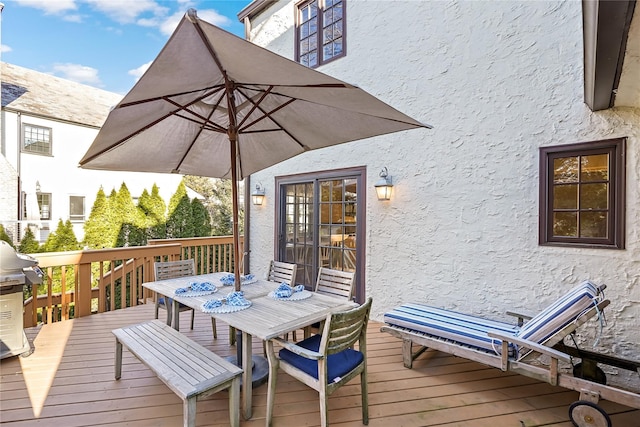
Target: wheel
[587, 414]
[590, 372]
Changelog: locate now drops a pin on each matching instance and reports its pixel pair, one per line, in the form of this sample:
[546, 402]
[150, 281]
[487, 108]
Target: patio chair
[170, 270]
[327, 361]
[333, 283]
[282, 272]
[491, 342]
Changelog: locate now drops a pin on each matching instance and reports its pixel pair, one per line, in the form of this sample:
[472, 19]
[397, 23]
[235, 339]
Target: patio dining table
[265, 319]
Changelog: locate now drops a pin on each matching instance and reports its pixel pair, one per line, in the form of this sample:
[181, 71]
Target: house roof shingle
[44, 95]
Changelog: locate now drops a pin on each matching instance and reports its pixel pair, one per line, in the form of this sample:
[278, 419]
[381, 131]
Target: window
[582, 189]
[44, 203]
[320, 32]
[76, 208]
[36, 140]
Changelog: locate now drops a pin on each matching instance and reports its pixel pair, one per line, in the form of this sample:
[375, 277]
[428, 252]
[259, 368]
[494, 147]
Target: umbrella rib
[213, 89]
[254, 107]
[204, 120]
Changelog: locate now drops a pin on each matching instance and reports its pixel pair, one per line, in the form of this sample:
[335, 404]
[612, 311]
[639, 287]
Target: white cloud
[48, 6]
[4, 48]
[127, 11]
[169, 25]
[138, 72]
[78, 73]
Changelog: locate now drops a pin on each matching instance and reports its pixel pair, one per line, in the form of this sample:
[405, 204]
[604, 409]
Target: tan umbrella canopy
[212, 104]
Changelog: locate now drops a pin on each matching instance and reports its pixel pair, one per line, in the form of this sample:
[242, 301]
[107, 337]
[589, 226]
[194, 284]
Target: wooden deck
[69, 381]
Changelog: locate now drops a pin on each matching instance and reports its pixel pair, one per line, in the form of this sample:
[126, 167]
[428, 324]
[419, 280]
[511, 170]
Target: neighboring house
[47, 125]
[528, 184]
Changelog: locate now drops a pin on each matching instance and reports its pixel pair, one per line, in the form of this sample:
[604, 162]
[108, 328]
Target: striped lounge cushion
[451, 325]
[561, 313]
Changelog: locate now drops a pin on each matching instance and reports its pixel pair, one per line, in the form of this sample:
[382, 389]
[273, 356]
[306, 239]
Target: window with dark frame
[36, 139]
[76, 208]
[582, 194]
[320, 32]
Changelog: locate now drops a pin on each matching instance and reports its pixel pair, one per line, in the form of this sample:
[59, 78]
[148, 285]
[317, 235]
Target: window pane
[304, 47]
[313, 6]
[327, 34]
[313, 27]
[565, 169]
[593, 196]
[327, 17]
[565, 224]
[593, 224]
[595, 168]
[304, 31]
[37, 139]
[337, 12]
[313, 44]
[313, 59]
[337, 47]
[76, 207]
[337, 29]
[304, 60]
[565, 196]
[44, 202]
[328, 52]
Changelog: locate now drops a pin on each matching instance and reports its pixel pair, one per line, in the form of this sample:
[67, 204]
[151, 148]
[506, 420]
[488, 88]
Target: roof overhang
[608, 50]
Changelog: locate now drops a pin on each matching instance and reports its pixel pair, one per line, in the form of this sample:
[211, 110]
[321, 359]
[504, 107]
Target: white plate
[224, 308]
[296, 296]
[196, 293]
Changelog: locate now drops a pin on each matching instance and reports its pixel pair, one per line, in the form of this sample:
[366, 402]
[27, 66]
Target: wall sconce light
[384, 185]
[258, 195]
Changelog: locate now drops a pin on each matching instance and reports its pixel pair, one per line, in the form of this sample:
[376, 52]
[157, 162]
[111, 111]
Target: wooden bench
[187, 368]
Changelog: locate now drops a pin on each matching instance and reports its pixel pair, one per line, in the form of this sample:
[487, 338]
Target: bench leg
[118, 359]
[189, 412]
[234, 402]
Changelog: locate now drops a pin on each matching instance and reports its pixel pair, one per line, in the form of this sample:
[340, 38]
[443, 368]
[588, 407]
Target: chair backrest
[282, 272]
[171, 269]
[344, 328]
[335, 283]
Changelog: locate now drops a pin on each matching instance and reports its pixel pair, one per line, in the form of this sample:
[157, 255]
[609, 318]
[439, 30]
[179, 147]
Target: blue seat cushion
[339, 364]
[563, 311]
[462, 328]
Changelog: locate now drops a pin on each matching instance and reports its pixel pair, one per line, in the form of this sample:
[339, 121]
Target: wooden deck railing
[80, 283]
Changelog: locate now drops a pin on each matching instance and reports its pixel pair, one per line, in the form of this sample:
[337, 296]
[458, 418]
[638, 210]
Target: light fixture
[384, 185]
[37, 186]
[258, 195]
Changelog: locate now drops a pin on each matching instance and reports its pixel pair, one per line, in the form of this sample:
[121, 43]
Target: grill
[16, 271]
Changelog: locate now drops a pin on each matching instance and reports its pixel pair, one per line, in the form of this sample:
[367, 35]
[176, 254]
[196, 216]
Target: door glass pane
[298, 228]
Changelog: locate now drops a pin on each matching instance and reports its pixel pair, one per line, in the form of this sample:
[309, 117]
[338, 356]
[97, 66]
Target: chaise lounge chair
[512, 347]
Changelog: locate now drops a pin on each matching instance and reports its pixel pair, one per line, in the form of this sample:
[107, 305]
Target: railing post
[83, 299]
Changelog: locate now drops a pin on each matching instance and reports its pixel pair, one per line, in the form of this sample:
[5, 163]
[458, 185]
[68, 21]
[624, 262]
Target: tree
[154, 210]
[132, 222]
[222, 217]
[179, 221]
[29, 244]
[201, 219]
[4, 236]
[99, 231]
[62, 239]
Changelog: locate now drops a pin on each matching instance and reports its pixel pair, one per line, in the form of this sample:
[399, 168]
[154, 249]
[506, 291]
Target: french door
[320, 221]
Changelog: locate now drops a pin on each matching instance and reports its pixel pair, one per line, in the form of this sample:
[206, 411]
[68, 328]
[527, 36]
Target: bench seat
[187, 368]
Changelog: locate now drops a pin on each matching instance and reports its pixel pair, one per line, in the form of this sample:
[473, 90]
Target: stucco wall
[497, 80]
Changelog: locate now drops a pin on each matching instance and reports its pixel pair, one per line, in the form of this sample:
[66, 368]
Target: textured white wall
[497, 80]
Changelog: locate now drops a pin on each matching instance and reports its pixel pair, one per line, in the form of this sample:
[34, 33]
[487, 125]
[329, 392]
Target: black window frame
[616, 149]
[322, 9]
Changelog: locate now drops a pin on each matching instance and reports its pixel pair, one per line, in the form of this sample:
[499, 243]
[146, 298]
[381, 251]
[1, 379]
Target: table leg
[247, 386]
[176, 315]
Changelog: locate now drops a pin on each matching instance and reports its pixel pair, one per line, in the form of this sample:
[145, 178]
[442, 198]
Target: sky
[106, 44]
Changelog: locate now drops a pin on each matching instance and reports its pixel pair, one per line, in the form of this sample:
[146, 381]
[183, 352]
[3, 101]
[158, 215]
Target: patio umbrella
[213, 104]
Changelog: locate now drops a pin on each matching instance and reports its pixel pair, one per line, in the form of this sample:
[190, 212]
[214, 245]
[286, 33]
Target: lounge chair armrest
[554, 354]
[300, 351]
[520, 316]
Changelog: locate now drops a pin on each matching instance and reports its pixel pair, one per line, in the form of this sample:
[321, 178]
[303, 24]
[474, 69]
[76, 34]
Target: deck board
[69, 381]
